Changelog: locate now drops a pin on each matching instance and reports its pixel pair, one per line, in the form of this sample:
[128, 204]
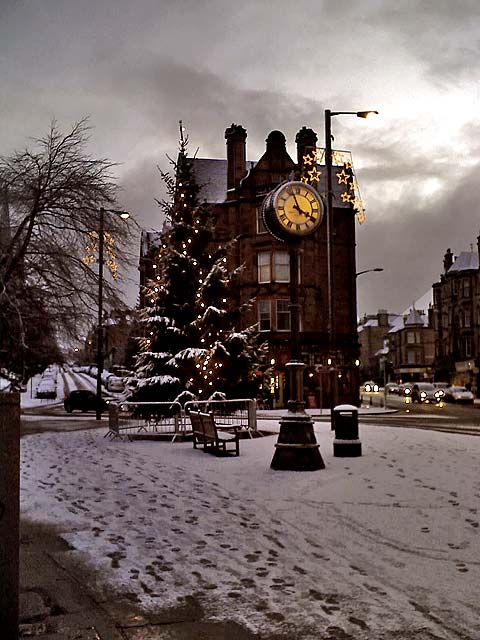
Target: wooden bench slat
[205, 432]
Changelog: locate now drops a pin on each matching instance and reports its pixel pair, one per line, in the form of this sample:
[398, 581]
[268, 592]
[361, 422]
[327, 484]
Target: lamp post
[101, 223]
[360, 273]
[328, 166]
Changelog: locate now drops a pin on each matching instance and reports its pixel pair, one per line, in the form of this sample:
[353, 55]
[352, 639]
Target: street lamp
[124, 215]
[328, 166]
[368, 271]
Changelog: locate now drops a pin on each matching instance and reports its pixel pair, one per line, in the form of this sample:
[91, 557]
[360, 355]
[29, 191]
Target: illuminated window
[264, 315]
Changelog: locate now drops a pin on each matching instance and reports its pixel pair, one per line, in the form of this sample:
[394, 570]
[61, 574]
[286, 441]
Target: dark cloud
[409, 245]
[139, 67]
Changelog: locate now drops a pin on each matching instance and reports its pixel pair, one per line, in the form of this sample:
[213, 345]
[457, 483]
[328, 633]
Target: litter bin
[345, 425]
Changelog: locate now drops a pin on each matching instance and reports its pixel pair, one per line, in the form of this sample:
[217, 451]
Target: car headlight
[423, 395]
[375, 387]
[439, 393]
[407, 391]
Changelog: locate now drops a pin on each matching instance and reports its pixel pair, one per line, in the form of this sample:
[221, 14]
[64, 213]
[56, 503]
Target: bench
[213, 439]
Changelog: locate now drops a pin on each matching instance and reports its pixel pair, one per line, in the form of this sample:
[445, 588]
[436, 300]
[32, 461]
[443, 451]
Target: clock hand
[297, 206]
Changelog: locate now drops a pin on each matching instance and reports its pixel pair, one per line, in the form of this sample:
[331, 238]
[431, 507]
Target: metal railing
[128, 419]
[240, 412]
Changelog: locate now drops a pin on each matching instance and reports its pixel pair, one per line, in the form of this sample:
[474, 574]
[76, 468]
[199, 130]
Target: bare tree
[54, 192]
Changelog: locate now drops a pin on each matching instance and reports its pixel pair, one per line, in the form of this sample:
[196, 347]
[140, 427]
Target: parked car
[83, 400]
[370, 386]
[114, 383]
[47, 389]
[392, 387]
[458, 394]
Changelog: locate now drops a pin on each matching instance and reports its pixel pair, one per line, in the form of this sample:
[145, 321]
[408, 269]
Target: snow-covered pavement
[382, 546]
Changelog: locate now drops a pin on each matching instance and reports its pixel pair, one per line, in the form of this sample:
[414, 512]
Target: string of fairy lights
[91, 251]
[207, 365]
[346, 176]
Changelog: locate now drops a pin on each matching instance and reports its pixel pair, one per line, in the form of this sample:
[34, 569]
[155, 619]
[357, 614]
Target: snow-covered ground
[381, 546]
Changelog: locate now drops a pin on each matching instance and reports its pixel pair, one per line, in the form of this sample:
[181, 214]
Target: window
[273, 267]
[455, 287]
[281, 267]
[283, 315]
[466, 288]
[411, 357]
[264, 315]
[468, 346]
[411, 337]
[260, 224]
[466, 318]
[264, 266]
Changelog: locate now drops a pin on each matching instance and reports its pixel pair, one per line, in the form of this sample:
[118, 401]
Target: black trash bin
[345, 425]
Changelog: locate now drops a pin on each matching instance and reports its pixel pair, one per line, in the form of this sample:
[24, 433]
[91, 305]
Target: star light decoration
[314, 162]
[91, 249]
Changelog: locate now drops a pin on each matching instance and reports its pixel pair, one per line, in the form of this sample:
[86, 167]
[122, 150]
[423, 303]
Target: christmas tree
[190, 345]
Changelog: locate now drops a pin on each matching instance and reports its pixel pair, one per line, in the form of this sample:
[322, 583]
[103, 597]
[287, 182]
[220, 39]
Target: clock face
[297, 208]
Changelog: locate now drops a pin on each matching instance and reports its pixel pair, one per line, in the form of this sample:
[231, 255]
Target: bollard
[9, 513]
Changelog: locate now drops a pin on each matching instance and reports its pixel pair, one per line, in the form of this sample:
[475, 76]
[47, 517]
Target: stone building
[411, 346]
[456, 313]
[373, 337]
[236, 189]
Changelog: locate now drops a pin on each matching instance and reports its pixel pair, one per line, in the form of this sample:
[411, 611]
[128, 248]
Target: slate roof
[211, 175]
[466, 261]
[415, 317]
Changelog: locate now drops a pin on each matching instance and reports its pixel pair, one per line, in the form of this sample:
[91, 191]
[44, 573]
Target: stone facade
[411, 346]
[456, 316]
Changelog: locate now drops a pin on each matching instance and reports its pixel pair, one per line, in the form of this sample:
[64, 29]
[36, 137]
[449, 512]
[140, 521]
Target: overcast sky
[136, 68]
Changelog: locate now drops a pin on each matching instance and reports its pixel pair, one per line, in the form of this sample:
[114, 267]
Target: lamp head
[124, 215]
[366, 114]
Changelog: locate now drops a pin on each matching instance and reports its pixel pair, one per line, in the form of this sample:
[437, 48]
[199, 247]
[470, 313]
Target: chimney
[235, 136]
[306, 140]
[382, 316]
[447, 260]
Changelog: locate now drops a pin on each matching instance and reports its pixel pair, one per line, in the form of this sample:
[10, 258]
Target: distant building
[118, 340]
[236, 189]
[411, 344]
[398, 347]
[456, 313]
[373, 337]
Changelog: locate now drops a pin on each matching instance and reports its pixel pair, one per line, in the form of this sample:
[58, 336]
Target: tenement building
[456, 310]
[372, 334]
[411, 346]
[236, 188]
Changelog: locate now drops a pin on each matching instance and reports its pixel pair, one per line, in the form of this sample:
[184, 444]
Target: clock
[294, 209]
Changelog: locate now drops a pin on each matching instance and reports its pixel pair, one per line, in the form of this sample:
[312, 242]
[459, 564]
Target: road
[443, 417]
[447, 418]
